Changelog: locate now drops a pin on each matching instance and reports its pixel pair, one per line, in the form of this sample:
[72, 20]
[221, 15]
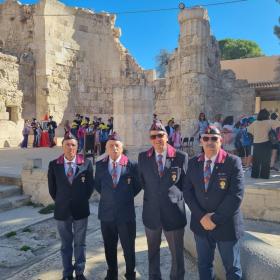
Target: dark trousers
[69, 231]
[111, 232]
[24, 143]
[230, 254]
[103, 147]
[51, 139]
[176, 246]
[261, 160]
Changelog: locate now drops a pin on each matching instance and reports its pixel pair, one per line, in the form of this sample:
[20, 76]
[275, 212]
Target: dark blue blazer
[158, 210]
[117, 204]
[71, 199]
[223, 196]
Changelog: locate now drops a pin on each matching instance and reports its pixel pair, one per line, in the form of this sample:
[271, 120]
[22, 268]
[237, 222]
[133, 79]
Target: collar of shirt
[73, 164]
[213, 159]
[164, 154]
[110, 166]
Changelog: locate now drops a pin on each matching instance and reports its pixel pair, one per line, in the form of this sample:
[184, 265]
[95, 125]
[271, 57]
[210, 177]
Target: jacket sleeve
[97, 182]
[51, 181]
[190, 197]
[232, 201]
[183, 172]
[136, 184]
[90, 179]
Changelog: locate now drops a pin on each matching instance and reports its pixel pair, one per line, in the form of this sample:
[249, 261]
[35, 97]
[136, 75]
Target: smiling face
[158, 140]
[211, 143]
[70, 147]
[114, 149]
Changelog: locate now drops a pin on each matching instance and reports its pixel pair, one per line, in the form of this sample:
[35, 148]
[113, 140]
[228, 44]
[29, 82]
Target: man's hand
[206, 222]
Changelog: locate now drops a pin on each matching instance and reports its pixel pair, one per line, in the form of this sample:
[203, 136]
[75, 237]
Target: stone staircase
[11, 193]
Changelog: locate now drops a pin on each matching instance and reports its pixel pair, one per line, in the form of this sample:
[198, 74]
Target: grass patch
[25, 248]
[47, 210]
[10, 234]
[27, 230]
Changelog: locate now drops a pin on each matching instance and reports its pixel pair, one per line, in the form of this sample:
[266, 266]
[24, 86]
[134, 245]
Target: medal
[222, 185]
[174, 176]
[83, 179]
[128, 180]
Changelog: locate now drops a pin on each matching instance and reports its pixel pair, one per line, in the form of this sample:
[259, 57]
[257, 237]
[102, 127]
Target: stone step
[13, 202]
[9, 190]
[10, 180]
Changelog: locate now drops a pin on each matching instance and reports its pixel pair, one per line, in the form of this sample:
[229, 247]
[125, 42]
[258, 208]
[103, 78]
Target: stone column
[133, 108]
[257, 105]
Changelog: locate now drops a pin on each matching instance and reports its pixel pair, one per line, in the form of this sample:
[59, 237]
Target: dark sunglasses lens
[160, 135]
[214, 138]
[153, 137]
[205, 138]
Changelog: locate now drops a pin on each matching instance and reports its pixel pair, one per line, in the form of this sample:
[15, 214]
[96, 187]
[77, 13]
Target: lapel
[123, 163]
[79, 168]
[221, 157]
[170, 155]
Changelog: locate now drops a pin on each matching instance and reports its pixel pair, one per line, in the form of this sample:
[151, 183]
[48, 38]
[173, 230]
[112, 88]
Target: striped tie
[160, 165]
[114, 174]
[207, 173]
[70, 172]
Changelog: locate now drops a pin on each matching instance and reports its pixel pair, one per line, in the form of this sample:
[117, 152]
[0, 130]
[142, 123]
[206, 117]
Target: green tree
[235, 48]
[162, 60]
[277, 27]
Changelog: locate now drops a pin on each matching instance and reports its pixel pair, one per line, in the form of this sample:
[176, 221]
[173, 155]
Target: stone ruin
[73, 62]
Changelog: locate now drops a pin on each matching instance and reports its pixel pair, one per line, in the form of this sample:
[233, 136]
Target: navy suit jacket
[158, 210]
[117, 204]
[223, 196]
[71, 199]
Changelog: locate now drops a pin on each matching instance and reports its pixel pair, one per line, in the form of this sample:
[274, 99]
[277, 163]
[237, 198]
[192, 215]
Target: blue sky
[144, 34]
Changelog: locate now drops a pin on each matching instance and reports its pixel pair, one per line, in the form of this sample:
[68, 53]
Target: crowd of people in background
[248, 136]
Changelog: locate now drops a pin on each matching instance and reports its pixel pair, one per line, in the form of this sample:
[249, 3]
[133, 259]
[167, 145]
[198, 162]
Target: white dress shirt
[119, 167]
[73, 164]
[164, 154]
[213, 159]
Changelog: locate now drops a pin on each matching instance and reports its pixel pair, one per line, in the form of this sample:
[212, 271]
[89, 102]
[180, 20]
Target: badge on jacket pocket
[128, 180]
[83, 178]
[222, 183]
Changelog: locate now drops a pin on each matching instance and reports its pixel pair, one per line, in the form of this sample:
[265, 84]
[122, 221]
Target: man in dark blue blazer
[116, 179]
[213, 190]
[70, 180]
[161, 171]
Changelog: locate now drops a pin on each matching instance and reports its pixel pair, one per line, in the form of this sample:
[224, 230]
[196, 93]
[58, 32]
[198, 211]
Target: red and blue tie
[207, 173]
[114, 174]
[160, 165]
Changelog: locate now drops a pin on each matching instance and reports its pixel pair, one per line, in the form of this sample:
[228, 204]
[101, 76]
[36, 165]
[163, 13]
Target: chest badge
[174, 176]
[128, 180]
[83, 179]
[222, 184]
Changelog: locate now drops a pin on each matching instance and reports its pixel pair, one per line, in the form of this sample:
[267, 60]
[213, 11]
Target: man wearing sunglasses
[161, 172]
[213, 189]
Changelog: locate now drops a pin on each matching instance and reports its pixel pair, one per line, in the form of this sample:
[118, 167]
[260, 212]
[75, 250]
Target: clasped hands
[207, 222]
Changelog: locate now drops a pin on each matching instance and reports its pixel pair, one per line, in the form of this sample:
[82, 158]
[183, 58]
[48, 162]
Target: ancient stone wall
[11, 123]
[194, 82]
[17, 39]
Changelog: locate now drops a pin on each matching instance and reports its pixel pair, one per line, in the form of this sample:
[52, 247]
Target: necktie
[70, 172]
[114, 174]
[207, 173]
[160, 165]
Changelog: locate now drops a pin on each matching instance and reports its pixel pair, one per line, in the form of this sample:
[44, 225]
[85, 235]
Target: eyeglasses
[154, 136]
[212, 138]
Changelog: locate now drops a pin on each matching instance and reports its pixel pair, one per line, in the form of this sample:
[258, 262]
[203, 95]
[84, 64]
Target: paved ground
[49, 267]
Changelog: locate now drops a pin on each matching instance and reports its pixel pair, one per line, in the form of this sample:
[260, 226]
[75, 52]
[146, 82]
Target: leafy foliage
[236, 48]
[25, 248]
[47, 210]
[10, 234]
[162, 60]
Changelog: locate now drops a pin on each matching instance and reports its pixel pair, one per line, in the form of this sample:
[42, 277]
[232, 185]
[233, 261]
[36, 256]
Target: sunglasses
[154, 136]
[212, 138]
